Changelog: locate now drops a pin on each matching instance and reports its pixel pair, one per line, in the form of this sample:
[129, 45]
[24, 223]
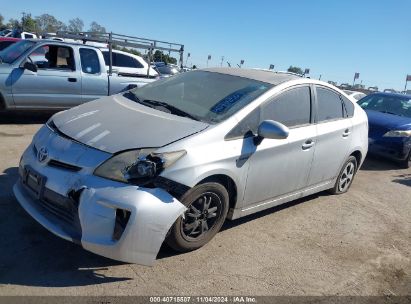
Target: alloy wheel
[201, 216]
[346, 177]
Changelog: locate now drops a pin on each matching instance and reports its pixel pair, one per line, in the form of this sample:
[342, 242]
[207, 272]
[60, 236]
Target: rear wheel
[345, 177]
[207, 207]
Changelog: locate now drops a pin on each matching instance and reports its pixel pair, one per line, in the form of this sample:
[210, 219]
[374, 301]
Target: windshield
[395, 105]
[11, 53]
[205, 96]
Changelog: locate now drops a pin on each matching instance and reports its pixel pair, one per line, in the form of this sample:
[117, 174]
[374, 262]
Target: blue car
[389, 118]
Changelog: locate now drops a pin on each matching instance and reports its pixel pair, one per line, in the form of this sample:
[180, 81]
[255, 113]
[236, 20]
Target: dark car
[389, 118]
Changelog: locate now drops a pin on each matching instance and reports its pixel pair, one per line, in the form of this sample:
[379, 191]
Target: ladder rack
[123, 40]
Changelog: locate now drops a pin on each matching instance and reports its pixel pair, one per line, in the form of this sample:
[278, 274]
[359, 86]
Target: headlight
[137, 164]
[398, 133]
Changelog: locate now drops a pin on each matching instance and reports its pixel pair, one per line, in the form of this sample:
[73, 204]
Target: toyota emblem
[42, 154]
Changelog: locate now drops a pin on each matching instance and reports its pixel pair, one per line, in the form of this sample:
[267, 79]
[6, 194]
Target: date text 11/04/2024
[204, 299]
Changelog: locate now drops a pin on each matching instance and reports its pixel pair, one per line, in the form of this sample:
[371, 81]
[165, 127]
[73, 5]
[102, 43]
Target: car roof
[391, 94]
[9, 39]
[274, 78]
[61, 42]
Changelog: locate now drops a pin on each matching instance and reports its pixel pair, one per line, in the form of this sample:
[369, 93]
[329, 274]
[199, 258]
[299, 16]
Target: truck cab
[50, 74]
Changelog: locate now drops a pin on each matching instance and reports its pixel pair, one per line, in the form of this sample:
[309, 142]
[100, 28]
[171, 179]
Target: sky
[333, 38]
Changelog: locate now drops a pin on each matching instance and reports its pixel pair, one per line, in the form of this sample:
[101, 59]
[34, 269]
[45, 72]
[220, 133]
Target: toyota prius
[171, 161]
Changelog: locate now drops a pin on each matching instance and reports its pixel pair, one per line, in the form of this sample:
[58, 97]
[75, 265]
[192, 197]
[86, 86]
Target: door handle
[70, 79]
[346, 133]
[308, 144]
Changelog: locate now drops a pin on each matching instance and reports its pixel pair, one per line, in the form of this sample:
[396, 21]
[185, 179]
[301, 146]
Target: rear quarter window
[349, 107]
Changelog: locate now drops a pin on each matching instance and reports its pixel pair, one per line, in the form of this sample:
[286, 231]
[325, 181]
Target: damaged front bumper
[91, 218]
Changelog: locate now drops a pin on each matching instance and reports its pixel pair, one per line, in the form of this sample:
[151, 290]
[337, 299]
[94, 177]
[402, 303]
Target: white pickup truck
[53, 75]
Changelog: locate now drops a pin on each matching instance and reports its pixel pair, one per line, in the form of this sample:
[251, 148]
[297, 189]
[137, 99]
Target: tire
[197, 227]
[405, 164]
[345, 177]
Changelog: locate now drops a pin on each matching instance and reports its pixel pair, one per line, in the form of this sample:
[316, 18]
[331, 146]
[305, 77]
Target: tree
[160, 56]
[96, 28]
[49, 24]
[294, 69]
[2, 25]
[124, 49]
[28, 24]
[14, 24]
[75, 25]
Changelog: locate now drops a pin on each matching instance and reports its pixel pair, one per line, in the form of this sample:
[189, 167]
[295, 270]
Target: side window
[90, 63]
[127, 61]
[292, 108]
[329, 105]
[349, 107]
[246, 127]
[106, 56]
[53, 57]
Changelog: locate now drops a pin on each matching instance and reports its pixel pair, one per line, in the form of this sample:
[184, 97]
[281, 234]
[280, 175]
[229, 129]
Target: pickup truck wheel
[207, 207]
[345, 177]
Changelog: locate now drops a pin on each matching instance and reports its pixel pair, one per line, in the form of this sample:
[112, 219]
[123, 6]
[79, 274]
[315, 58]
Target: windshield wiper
[131, 96]
[155, 104]
[172, 109]
[388, 112]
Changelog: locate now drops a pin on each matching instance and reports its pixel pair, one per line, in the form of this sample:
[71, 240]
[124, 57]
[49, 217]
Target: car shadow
[32, 256]
[166, 251]
[26, 117]
[376, 163]
[403, 179]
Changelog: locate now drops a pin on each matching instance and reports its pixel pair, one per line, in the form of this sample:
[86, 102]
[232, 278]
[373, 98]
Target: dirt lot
[358, 243]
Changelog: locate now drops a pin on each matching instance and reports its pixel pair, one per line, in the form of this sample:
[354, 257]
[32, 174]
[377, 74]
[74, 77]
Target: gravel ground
[358, 243]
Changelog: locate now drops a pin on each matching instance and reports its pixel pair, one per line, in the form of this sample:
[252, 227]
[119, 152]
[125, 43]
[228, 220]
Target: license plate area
[34, 181]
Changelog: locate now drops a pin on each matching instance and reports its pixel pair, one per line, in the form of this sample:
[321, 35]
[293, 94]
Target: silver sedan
[172, 160]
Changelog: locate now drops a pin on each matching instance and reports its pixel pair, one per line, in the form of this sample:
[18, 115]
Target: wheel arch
[227, 182]
[358, 156]
[2, 102]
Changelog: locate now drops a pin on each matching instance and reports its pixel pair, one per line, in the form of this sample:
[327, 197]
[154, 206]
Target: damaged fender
[153, 212]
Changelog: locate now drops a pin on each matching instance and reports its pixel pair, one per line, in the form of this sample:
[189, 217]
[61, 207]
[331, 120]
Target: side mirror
[30, 66]
[271, 129]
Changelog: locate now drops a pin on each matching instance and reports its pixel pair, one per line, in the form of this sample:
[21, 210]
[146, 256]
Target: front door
[56, 84]
[281, 166]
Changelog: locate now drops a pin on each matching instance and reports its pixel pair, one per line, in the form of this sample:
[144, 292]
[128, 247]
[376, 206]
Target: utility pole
[23, 19]
[188, 55]
[222, 59]
[408, 78]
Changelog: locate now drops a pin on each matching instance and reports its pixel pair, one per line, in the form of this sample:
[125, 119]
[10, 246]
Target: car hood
[115, 123]
[389, 121]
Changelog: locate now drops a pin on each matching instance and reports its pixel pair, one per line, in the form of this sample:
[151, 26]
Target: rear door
[56, 84]
[334, 129]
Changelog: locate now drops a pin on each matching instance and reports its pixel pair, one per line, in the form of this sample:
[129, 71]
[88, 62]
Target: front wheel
[345, 177]
[207, 207]
[405, 164]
